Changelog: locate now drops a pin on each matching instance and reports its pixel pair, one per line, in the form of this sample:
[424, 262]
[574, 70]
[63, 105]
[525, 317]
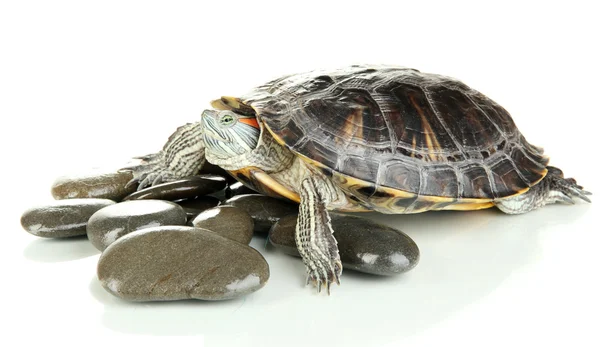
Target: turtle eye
[227, 120]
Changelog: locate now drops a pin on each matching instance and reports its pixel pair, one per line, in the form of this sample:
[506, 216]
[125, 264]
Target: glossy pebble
[227, 221]
[265, 210]
[62, 218]
[110, 223]
[175, 263]
[93, 184]
[236, 189]
[187, 188]
[193, 207]
[364, 245]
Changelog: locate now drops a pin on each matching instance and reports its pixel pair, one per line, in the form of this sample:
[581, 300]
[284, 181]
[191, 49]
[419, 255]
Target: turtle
[364, 138]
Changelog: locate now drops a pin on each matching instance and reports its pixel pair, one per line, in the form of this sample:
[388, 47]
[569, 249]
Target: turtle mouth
[215, 136]
[210, 130]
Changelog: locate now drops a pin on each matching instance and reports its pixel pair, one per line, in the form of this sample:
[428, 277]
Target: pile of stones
[189, 239]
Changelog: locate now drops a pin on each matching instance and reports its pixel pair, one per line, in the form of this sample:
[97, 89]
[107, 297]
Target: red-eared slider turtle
[388, 139]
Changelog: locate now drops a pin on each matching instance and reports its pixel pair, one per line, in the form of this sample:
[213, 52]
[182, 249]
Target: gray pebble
[62, 218]
[186, 188]
[227, 221]
[364, 245]
[110, 223]
[194, 207]
[238, 189]
[211, 169]
[265, 210]
[175, 263]
[93, 184]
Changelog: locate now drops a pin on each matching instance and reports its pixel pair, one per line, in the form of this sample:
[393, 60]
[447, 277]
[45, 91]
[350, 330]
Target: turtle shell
[389, 132]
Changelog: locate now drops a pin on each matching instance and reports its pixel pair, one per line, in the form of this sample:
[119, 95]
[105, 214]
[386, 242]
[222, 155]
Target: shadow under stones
[59, 250]
[465, 256]
[171, 318]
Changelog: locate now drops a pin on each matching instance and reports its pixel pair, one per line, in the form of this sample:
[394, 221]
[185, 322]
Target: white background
[85, 83]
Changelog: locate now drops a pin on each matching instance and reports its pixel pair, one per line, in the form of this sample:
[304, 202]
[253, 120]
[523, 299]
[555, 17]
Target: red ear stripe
[250, 121]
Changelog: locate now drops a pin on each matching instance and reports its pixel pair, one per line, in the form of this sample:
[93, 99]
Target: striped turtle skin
[397, 140]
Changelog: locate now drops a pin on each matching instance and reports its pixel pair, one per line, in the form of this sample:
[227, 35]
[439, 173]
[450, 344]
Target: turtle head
[228, 134]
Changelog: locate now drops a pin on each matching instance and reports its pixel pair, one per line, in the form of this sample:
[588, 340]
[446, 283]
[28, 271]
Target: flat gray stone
[227, 221]
[93, 184]
[364, 245]
[110, 223]
[265, 210]
[194, 207]
[62, 218]
[187, 188]
[175, 263]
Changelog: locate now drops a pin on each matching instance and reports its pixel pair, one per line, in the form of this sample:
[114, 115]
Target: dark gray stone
[364, 245]
[194, 207]
[211, 169]
[265, 210]
[93, 184]
[227, 221]
[175, 263]
[186, 188]
[62, 218]
[238, 188]
[110, 223]
[283, 235]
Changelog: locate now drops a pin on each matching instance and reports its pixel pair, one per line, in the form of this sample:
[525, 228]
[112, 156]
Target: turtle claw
[327, 275]
[338, 271]
[565, 199]
[157, 180]
[152, 179]
[581, 194]
[147, 157]
[569, 189]
[132, 183]
[146, 182]
[149, 173]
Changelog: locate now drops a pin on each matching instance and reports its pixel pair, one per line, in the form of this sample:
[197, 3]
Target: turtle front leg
[181, 156]
[314, 235]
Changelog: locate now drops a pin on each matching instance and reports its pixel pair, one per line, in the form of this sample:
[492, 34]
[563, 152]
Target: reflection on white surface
[464, 257]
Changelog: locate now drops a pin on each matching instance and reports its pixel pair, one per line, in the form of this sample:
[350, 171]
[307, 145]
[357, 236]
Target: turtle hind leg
[553, 188]
[314, 235]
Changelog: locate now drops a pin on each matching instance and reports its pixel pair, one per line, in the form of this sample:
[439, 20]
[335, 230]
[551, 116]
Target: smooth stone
[110, 223]
[96, 184]
[211, 169]
[176, 263]
[194, 207]
[364, 245]
[186, 188]
[227, 221]
[62, 218]
[265, 210]
[238, 188]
